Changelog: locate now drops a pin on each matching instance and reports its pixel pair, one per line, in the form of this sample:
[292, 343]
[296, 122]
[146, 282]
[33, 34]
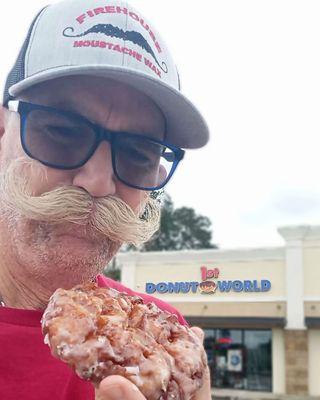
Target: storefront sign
[209, 284]
[234, 360]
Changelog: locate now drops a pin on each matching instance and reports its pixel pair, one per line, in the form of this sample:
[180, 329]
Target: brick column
[296, 356]
[295, 333]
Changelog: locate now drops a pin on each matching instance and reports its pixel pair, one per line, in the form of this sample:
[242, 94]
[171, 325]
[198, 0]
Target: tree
[180, 228]
[113, 270]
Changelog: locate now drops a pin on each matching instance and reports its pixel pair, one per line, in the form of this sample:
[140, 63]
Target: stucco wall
[311, 259]
[278, 362]
[314, 361]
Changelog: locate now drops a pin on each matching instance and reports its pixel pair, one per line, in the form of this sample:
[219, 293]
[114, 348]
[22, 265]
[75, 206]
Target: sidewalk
[227, 394]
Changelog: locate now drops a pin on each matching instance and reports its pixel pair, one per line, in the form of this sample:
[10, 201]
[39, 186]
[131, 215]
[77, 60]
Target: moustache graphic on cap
[114, 31]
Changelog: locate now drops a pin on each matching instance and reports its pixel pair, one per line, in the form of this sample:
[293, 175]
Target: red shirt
[27, 369]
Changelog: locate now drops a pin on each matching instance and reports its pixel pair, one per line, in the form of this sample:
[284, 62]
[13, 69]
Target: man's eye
[141, 157]
[62, 134]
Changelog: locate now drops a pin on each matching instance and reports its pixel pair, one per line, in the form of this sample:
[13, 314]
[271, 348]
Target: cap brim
[186, 127]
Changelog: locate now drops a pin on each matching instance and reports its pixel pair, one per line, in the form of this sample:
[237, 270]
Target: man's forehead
[95, 98]
[64, 91]
[68, 92]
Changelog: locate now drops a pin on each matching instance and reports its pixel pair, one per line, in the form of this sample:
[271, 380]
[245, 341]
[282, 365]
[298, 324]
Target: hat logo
[113, 31]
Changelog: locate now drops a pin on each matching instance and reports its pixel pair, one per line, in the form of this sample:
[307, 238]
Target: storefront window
[258, 346]
[209, 339]
[239, 359]
[234, 336]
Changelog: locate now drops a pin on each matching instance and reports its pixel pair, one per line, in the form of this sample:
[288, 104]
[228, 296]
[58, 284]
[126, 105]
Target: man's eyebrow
[64, 106]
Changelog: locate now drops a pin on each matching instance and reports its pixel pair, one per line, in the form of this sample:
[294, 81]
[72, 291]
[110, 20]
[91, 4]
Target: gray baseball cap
[108, 39]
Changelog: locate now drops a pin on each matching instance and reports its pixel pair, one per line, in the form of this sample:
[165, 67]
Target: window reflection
[258, 345]
[240, 359]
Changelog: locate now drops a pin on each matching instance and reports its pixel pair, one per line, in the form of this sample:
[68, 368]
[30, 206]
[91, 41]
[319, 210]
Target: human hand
[119, 388]
[204, 393]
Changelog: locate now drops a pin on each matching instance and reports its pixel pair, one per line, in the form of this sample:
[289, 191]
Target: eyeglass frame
[101, 134]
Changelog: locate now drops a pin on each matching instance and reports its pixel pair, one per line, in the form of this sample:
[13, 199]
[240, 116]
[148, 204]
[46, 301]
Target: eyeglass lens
[64, 142]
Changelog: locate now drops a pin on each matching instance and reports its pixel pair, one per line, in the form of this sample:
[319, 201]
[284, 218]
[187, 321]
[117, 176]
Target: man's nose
[96, 176]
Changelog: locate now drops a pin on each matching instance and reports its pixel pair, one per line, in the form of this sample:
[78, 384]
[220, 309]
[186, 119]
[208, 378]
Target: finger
[199, 332]
[204, 393]
[117, 387]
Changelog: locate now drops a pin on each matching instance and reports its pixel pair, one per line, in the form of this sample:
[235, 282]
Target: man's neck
[15, 293]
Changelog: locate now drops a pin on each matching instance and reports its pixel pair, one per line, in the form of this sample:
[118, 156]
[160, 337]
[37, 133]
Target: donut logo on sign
[207, 287]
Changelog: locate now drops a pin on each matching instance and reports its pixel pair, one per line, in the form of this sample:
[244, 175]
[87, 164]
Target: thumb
[117, 387]
[199, 332]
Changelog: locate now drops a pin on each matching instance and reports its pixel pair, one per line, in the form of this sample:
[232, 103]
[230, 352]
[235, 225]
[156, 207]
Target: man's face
[46, 248]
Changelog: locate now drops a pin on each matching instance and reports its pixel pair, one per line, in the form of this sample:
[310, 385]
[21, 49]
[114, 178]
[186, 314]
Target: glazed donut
[101, 332]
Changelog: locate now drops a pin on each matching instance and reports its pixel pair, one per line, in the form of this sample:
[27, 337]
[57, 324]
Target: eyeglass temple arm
[13, 105]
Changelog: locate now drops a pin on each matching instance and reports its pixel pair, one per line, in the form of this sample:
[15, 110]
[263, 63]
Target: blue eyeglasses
[66, 140]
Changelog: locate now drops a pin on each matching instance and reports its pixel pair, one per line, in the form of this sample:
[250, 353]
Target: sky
[252, 67]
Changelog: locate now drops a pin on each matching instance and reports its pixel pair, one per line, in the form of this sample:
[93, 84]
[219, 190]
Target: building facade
[259, 308]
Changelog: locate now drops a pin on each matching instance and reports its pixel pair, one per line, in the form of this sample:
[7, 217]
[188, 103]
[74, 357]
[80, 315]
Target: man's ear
[3, 116]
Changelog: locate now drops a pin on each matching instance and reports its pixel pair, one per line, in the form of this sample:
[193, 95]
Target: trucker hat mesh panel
[17, 72]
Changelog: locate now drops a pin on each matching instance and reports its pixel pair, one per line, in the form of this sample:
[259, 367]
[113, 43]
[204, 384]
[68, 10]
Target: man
[92, 121]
